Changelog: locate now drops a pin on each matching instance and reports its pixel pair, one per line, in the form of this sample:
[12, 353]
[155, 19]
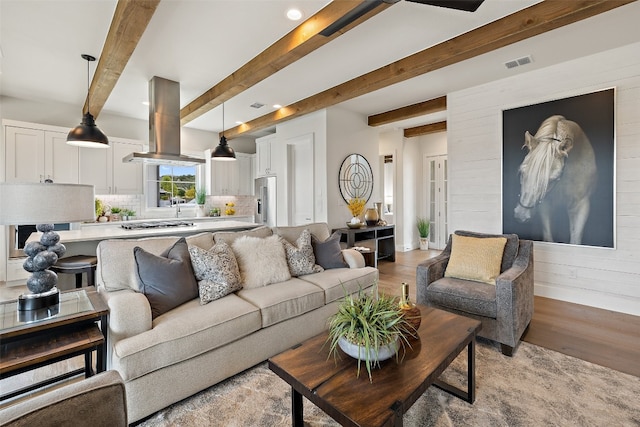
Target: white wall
[599, 277]
[348, 133]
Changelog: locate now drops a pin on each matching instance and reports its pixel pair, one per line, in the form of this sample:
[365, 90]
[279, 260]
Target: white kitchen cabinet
[225, 178]
[104, 169]
[264, 155]
[34, 155]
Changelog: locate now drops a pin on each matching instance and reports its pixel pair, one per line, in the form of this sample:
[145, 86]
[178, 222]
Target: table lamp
[44, 204]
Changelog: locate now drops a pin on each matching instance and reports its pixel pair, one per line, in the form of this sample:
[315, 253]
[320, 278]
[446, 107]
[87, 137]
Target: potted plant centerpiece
[369, 327]
[423, 230]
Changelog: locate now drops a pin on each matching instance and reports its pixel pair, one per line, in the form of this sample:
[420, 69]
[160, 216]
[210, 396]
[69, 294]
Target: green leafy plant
[201, 197]
[116, 210]
[423, 227]
[370, 321]
[99, 207]
[129, 213]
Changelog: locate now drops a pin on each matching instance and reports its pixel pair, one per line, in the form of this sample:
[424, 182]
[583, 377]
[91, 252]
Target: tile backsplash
[244, 205]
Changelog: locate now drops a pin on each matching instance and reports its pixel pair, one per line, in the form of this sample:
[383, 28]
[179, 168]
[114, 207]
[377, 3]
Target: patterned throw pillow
[300, 256]
[216, 271]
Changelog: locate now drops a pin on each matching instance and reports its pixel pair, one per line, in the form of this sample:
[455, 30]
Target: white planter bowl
[357, 352]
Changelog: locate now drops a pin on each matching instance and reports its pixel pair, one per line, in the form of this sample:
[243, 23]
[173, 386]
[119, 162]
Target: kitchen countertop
[114, 231]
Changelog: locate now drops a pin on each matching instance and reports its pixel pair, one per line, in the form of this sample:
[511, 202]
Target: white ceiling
[198, 43]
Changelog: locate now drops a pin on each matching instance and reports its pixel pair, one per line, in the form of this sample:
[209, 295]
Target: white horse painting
[559, 170]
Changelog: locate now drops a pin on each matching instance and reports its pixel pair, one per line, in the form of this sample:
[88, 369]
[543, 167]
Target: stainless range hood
[164, 126]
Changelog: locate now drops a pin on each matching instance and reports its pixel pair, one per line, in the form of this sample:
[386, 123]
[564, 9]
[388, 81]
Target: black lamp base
[27, 302]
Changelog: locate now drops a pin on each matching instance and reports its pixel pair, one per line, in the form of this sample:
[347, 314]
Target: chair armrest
[514, 290]
[100, 398]
[429, 271]
[353, 258]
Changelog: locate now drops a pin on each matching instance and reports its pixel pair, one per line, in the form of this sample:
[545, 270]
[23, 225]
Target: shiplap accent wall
[599, 277]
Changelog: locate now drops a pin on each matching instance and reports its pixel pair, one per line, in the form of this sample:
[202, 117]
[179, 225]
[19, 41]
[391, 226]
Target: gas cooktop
[156, 224]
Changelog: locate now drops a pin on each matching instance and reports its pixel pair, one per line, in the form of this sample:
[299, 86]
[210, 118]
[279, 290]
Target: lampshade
[223, 151]
[87, 134]
[45, 203]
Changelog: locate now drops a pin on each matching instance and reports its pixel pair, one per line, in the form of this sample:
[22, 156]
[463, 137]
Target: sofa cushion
[458, 294]
[300, 256]
[284, 300]
[117, 265]
[183, 333]
[230, 236]
[334, 282]
[262, 261]
[291, 233]
[167, 279]
[216, 270]
[476, 259]
[328, 253]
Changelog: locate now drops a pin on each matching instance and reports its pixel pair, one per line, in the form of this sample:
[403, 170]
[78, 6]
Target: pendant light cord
[88, 87]
[223, 119]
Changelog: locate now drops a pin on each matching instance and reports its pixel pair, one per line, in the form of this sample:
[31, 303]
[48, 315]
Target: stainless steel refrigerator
[266, 201]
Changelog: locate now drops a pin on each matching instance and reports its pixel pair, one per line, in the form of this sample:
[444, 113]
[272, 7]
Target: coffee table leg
[296, 408]
[470, 394]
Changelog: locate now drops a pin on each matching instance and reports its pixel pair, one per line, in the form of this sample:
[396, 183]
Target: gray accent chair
[505, 309]
[98, 401]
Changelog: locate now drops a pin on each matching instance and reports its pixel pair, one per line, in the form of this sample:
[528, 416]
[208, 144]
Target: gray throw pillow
[300, 256]
[216, 270]
[328, 253]
[166, 280]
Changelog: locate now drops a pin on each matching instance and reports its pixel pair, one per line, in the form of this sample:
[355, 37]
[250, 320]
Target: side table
[30, 340]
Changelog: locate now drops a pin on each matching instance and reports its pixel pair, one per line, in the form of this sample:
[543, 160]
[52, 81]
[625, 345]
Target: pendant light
[87, 134]
[223, 152]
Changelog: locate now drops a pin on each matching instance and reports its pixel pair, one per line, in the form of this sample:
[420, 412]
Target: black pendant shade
[87, 134]
[223, 151]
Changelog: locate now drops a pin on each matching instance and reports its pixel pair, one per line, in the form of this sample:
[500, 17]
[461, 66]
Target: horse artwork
[558, 174]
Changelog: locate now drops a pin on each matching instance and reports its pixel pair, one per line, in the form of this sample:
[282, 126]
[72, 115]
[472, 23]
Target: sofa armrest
[515, 289]
[427, 272]
[99, 399]
[129, 314]
[353, 258]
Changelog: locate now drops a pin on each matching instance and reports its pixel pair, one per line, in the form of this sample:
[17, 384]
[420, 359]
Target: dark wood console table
[380, 238]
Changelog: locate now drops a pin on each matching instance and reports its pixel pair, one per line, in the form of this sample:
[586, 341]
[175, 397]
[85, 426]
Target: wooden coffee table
[351, 401]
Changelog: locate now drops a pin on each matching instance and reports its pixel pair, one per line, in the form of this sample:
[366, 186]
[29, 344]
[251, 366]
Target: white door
[301, 182]
[437, 200]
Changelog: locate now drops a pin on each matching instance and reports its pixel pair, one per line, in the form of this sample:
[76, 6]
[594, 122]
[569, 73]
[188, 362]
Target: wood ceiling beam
[298, 43]
[129, 22]
[425, 129]
[532, 21]
[409, 112]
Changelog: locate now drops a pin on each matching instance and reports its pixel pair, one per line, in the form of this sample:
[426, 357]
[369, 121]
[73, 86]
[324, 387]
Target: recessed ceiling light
[294, 14]
[277, 106]
[239, 122]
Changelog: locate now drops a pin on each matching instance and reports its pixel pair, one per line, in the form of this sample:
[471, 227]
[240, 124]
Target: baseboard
[619, 303]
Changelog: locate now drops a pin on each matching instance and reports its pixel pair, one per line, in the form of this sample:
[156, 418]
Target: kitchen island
[85, 240]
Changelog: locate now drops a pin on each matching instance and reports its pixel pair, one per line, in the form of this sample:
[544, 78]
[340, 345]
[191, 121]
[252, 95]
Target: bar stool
[78, 264]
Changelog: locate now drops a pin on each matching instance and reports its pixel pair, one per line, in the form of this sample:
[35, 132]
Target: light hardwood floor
[604, 337]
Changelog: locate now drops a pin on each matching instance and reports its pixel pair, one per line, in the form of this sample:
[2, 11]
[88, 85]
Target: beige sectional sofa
[194, 346]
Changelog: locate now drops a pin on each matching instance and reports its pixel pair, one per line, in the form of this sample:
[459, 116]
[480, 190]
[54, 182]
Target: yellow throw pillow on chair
[475, 258]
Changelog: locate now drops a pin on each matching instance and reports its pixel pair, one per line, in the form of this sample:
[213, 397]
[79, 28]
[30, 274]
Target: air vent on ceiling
[257, 105]
[518, 62]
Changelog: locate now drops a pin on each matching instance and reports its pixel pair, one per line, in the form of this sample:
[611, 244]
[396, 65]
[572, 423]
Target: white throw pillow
[262, 261]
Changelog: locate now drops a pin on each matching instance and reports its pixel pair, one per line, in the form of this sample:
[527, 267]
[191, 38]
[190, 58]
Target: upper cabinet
[264, 155]
[229, 178]
[104, 168]
[35, 155]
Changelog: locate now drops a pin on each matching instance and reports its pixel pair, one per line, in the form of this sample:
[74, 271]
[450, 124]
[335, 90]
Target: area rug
[536, 387]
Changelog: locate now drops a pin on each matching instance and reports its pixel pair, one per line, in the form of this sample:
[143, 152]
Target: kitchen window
[171, 185]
